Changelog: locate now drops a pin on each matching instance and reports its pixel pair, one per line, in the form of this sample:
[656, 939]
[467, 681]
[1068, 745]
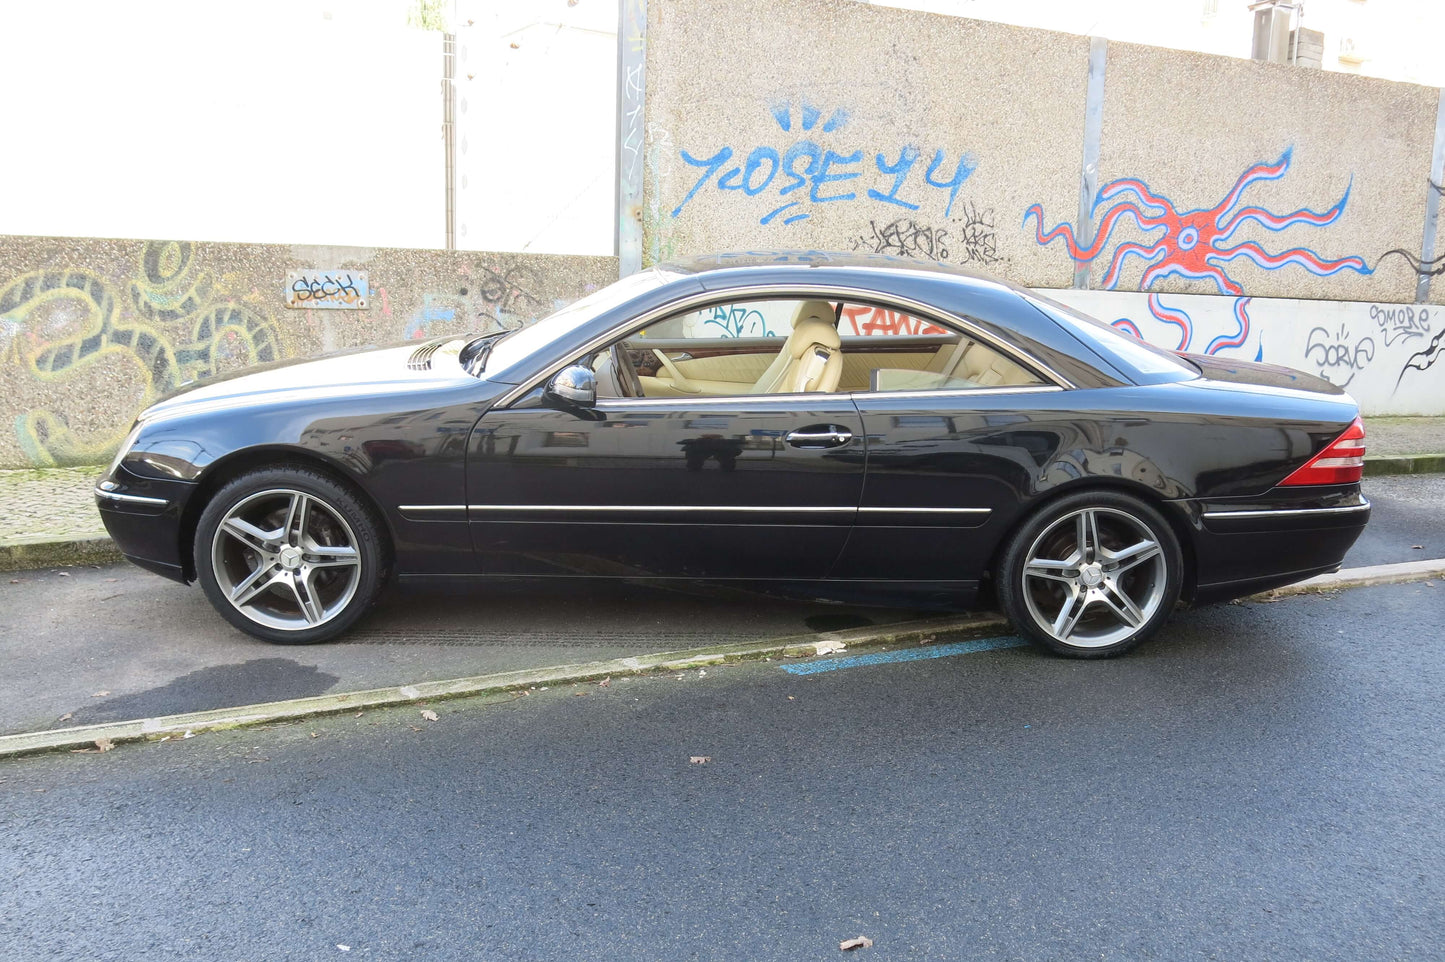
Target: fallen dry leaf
[66, 717]
[416, 728]
[861, 942]
[604, 683]
[357, 715]
[428, 714]
[100, 694]
[315, 734]
[699, 759]
[14, 581]
[104, 744]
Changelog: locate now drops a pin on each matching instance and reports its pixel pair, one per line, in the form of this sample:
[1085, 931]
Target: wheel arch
[226, 469]
[1170, 512]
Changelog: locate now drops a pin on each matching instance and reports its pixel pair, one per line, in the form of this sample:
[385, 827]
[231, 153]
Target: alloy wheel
[286, 559]
[1094, 577]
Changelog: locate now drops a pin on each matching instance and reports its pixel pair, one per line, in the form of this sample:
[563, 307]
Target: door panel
[697, 489]
[947, 476]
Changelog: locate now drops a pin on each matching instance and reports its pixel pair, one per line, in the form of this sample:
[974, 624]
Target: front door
[757, 486]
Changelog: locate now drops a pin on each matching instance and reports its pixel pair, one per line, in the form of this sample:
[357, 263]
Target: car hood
[369, 371]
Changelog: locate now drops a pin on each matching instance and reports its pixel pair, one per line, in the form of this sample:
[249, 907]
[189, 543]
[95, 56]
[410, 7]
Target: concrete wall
[836, 125]
[93, 330]
[1384, 354]
[1242, 197]
[1215, 175]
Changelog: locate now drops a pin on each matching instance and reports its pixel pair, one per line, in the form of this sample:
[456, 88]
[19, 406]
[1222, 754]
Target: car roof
[754, 261]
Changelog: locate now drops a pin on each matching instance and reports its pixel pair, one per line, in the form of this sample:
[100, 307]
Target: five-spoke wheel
[1091, 575]
[288, 555]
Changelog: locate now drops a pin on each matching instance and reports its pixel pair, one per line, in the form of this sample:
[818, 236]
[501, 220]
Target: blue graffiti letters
[907, 157]
[817, 170]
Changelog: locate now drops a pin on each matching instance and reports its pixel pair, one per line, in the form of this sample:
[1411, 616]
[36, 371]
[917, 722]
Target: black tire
[304, 556]
[1100, 601]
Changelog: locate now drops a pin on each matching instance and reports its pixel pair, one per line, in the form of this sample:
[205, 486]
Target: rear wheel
[1091, 575]
[289, 555]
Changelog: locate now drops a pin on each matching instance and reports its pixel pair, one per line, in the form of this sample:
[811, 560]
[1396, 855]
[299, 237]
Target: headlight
[125, 447]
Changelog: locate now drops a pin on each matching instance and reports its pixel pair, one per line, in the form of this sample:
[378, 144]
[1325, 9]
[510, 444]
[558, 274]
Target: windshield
[526, 341]
[1146, 359]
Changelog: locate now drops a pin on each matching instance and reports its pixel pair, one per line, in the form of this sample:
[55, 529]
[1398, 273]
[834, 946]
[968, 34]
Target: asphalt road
[116, 643]
[1264, 782]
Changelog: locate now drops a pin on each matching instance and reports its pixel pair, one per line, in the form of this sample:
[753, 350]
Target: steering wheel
[626, 371]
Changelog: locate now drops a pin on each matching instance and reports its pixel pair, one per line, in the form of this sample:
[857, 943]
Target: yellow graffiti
[60, 323]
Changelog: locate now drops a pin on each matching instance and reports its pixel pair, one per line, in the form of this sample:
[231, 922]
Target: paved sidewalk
[48, 515]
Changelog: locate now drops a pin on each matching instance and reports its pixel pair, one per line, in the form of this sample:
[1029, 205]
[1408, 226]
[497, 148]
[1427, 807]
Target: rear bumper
[143, 518]
[1241, 549]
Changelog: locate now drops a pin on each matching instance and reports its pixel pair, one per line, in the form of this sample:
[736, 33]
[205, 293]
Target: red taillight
[1343, 462]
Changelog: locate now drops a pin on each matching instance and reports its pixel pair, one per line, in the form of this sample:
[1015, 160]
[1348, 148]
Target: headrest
[813, 323]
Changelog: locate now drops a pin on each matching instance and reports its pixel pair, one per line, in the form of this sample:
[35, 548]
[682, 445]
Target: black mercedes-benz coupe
[844, 426]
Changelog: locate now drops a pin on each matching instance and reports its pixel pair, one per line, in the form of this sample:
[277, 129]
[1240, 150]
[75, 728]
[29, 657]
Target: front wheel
[289, 555]
[1091, 575]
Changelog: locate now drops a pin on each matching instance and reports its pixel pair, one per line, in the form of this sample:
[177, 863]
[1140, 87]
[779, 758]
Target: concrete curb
[1380, 464]
[825, 643]
[1392, 574]
[28, 555]
[146, 729]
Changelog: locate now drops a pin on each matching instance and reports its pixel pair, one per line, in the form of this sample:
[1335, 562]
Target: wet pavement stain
[222, 686]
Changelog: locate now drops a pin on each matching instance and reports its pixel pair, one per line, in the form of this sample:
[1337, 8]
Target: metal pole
[449, 133]
[631, 88]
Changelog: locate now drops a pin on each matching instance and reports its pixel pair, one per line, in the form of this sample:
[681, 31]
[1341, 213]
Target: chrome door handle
[819, 436]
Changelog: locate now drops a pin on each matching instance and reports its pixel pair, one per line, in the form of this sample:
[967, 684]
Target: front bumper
[144, 518]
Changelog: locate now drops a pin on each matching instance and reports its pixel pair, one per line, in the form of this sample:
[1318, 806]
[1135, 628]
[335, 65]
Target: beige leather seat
[812, 358]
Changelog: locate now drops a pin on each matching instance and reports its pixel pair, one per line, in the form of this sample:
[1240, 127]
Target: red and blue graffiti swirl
[1179, 317]
[1194, 244]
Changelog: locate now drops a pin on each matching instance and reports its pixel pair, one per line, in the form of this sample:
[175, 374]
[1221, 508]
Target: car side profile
[846, 426]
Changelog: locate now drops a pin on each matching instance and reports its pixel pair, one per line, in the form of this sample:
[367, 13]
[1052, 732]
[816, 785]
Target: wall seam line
[1432, 204]
[1093, 133]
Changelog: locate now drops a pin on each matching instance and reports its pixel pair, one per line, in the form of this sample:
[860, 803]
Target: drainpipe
[449, 132]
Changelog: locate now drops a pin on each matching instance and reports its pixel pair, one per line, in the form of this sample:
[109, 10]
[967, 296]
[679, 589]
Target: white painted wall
[1389, 357]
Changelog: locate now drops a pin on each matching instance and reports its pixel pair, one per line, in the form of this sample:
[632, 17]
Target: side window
[797, 346]
[885, 349]
[784, 346]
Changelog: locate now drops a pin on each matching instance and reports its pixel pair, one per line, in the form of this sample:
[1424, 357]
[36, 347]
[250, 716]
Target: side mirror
[575, 385]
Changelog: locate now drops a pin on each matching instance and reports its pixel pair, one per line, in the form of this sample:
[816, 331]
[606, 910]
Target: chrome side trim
[960, 392]
[917, 308]
[754, 401]
[129, 498]
[731, 508]
[1286, 512]
[926, 510]
[741, 509]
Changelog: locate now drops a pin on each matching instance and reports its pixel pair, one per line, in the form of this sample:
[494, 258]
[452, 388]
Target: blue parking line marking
[907, 654]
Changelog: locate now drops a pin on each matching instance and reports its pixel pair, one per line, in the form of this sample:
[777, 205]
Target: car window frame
[1054, 381]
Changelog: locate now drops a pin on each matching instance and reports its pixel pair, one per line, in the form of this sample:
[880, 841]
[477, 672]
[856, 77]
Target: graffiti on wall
[970, 238]
[61, 324]
[1179, 319]
[794, 178]
[1195, 244]
[1386, 355]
